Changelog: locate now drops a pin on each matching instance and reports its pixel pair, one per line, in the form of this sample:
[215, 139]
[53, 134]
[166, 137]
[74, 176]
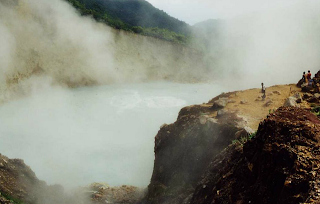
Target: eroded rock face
[184, 149]
[19, 184]
[280, 165]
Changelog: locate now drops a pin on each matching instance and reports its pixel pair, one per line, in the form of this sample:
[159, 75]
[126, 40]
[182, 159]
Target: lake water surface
[94, 134]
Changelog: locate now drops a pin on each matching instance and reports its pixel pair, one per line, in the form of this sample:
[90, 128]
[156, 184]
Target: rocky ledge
[19, 184]
[210, 155]
[279, 165]
[184, 149]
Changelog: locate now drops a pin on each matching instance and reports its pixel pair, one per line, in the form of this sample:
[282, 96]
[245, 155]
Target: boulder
[244, 132]
[203, 119]
[276, 92]
[297, 96]
[306, 96]
[268, 103]
[231, 101]
[313, 99]
[306, 89]
[300, 83]
[290, 102]
[299, 100]
[220, 103]
[316, 95]
[221, 112]
[243, 102]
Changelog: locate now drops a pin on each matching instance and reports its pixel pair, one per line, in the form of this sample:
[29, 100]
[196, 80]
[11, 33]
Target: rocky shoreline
[212, 154]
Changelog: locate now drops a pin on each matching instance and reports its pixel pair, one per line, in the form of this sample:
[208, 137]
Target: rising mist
[274, 46]
[50, 41]
[47, 47]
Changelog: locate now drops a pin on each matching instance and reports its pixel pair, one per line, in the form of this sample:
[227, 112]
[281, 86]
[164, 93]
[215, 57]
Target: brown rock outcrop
[184, 149]
[280, 165]
[19, 184]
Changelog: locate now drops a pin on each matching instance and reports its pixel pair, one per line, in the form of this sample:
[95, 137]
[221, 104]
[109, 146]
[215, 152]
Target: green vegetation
[316, 110]
[241, 141]
[10, 198]
[137, 16]
[271, 111]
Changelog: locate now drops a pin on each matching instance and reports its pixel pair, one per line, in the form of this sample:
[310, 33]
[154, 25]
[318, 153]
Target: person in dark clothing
[304, 77]
[263, 91]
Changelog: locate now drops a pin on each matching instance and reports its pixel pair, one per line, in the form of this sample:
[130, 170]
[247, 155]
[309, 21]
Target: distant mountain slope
[137, 16]
[140, 13]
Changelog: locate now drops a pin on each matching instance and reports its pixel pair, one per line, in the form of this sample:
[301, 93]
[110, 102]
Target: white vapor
[273, 46]
[192, 11]
[50, 39]
[47, 46]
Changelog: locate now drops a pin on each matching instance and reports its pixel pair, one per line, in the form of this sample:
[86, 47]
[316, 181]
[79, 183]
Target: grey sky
[194, 11]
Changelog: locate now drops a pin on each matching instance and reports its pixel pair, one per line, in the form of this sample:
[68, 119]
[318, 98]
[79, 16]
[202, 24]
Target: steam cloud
[274, 46]
[46, 44]
[50, 41]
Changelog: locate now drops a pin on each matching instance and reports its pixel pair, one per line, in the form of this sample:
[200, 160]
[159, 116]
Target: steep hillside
[62, 48]
[137, 16]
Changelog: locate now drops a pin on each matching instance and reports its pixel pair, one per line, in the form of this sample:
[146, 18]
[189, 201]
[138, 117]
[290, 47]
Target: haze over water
[106, 133]
[97, 134]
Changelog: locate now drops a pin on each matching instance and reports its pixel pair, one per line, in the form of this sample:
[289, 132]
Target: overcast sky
[194, 11]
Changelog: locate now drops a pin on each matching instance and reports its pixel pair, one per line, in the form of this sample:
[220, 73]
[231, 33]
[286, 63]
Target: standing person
[309, 75]
[306, 80]
[303, 81]
[304, 77]
[263, 91]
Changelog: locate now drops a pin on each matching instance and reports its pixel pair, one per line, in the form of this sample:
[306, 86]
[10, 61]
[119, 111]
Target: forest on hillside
[136, 16]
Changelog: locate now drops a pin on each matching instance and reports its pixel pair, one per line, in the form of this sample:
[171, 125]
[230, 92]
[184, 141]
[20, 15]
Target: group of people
[306, 78]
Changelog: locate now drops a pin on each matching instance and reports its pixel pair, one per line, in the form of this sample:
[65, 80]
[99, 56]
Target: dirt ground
[249, 104]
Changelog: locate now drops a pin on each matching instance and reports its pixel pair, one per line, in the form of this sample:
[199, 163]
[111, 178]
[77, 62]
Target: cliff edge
[279, 165]
[213, 153]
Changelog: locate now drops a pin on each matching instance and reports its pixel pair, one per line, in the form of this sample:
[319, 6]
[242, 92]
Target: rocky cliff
[19, 184]
[279, 165]
[210, 155]
[184, 149]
